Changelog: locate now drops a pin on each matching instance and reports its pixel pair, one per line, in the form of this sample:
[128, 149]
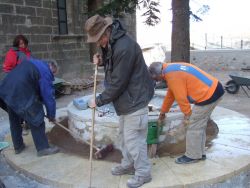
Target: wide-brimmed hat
[95, 27]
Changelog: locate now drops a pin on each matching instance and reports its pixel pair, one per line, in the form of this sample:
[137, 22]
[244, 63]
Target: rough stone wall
[219, 60]
[130, 24]
[37, 20]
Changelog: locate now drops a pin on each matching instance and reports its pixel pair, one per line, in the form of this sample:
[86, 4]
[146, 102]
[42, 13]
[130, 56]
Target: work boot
[137, 181]
[20, 149]
[119, 170]
[48, 151]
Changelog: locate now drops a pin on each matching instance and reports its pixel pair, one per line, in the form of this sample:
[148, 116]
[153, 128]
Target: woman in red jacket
[16, 53]
[13, 57]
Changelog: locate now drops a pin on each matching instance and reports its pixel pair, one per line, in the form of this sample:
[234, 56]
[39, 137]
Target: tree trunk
[180, 47]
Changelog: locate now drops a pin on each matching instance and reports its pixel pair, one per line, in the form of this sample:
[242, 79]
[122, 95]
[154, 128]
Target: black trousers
[3, 105]
[38, 132]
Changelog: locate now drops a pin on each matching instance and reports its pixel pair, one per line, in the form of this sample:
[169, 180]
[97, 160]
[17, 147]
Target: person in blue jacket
[24, 90]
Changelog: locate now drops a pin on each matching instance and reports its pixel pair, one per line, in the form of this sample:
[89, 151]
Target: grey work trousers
[196, 130]
[133, 134]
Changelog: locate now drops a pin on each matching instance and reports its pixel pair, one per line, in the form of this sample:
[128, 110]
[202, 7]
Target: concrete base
[228, 156]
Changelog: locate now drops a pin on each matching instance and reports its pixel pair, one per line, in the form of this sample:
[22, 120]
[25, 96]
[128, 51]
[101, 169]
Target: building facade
[54, 29]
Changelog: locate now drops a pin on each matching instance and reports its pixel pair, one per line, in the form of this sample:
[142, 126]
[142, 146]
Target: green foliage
[118, 8]
[151, 17]
[201, 11]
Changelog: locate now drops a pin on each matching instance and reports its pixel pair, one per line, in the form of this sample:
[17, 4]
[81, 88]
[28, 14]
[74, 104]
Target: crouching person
[24, 90]
[189, 84]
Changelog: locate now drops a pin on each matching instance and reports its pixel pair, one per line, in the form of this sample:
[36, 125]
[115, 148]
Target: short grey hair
[52, 64]
[155, 69]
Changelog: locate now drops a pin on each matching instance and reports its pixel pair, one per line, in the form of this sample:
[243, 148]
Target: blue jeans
[38, 132]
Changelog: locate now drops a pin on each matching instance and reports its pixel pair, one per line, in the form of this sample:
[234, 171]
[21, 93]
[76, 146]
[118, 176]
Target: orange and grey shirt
[186, 84]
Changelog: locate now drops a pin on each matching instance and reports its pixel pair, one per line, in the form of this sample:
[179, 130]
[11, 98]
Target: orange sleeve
[168, 101]
[179, 90]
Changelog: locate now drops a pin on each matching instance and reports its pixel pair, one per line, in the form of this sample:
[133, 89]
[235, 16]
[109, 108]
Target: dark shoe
[119, 170]
[203, 158]
[48, 151]
[137, 181]
[20, 149]
[185, 160]
[1, 184]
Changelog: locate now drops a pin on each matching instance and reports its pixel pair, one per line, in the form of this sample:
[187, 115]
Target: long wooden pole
[92, 129]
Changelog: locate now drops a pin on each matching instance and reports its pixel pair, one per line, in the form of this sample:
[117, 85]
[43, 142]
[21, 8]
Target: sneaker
[20, 149]
[137, 181]
[185, 160]
[48, 151]
[119, 170]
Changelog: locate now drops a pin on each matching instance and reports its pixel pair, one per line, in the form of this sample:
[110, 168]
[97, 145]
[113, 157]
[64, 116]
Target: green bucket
[153, 132]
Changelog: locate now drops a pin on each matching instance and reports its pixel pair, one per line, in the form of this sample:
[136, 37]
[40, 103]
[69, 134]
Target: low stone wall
[219, 60]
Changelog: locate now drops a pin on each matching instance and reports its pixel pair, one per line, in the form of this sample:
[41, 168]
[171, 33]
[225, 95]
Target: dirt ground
[67, 144]
[238, 102]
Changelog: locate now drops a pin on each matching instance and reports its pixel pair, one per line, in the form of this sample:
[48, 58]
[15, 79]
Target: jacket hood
[117, 31]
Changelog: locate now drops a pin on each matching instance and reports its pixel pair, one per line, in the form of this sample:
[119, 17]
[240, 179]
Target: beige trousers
[196, 130]
[133, 134]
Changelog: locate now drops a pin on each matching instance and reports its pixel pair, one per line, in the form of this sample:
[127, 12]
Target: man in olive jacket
[129, 86]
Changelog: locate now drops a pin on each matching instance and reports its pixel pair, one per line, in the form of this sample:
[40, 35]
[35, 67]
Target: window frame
[60, 19]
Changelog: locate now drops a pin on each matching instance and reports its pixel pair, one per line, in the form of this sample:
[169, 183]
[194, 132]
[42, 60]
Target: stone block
[53, 46]
[35, 20]
[54, 4]
[51, 21]
[10, 29]
[39, 39]
[6, 8]
[35, 3]
[46, 4]
[3, 39]
[44, 12]
[19, 2]
[24, 29]
[38, 47]
[42, 30]
[13, 19]
[55, 30]
[69, 46]
[54, 13]
[26, 10]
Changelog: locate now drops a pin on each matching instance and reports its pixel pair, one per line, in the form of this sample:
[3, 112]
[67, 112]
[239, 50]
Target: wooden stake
[92, 129]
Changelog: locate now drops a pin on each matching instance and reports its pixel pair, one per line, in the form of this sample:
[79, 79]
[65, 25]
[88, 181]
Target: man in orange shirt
[189, 84]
